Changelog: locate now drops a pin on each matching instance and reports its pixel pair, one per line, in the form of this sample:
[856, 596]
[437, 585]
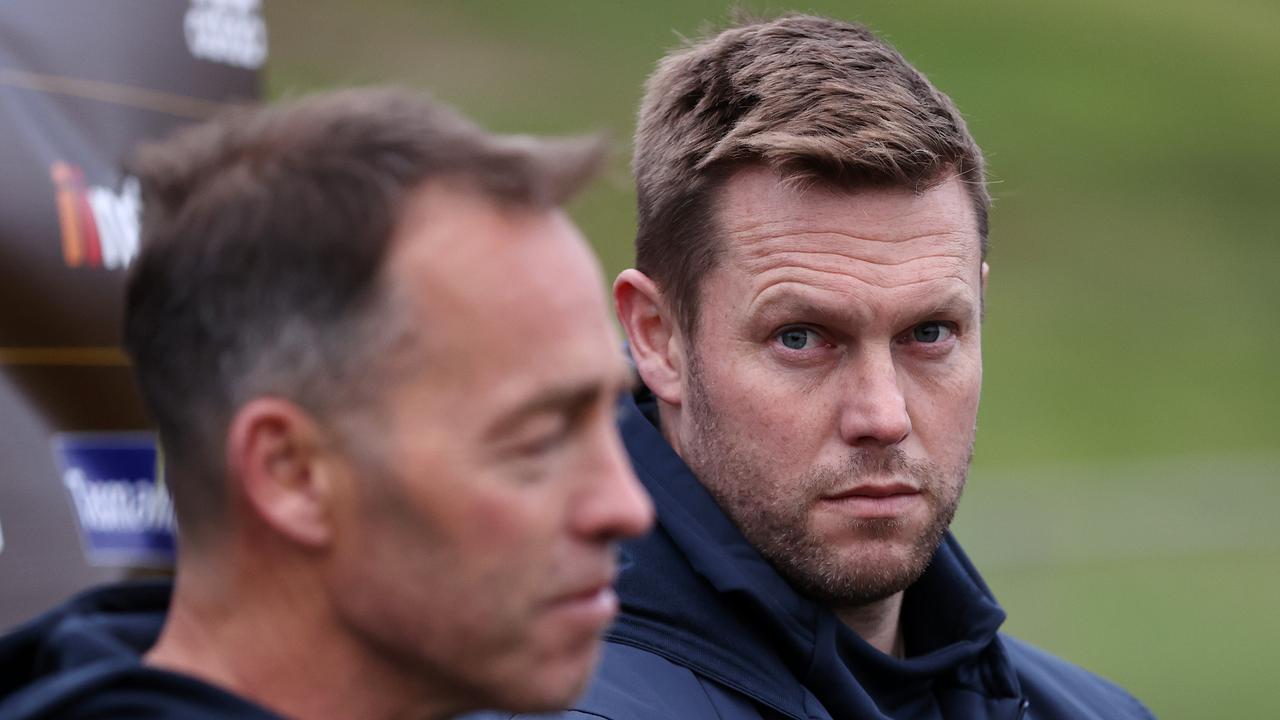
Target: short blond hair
[819, 100]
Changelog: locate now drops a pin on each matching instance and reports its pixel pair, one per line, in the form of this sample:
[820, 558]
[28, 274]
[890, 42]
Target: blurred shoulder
[634, 684]
[1058, 688]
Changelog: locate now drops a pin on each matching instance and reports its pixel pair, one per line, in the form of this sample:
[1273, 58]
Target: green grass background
[1123, 500]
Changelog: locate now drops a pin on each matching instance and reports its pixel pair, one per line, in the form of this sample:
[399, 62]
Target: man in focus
[380, 361]
[806, 315]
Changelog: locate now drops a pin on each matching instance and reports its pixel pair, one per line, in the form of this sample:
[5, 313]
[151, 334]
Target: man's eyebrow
[795, 305]
[569, 399]
[951, 304]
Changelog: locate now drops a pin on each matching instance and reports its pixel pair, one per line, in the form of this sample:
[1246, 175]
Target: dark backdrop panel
[81, 83]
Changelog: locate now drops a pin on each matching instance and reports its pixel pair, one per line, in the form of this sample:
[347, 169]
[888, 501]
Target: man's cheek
[498, 526]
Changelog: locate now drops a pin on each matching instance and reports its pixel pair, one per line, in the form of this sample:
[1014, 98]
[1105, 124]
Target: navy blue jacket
[709, 629]
[82, 661]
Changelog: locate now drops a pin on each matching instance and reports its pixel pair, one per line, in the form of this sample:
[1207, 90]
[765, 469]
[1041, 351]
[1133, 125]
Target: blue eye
[930, 332]
[796, 338]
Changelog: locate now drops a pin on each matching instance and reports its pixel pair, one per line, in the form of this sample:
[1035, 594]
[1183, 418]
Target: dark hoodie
[709, 629]
[83, 660]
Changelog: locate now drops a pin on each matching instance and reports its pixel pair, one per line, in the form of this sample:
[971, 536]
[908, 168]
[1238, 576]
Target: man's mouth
[592, 602]
[876, 500]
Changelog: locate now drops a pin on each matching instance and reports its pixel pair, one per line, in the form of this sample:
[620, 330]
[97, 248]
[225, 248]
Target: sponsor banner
[81, 85]
[115, 482]
[227, 31]
[99, 225]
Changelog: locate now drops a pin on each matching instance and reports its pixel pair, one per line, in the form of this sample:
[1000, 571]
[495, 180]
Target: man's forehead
[757, 205]
[442, 227]
[845, 254]
[497, 292]
[470, 255]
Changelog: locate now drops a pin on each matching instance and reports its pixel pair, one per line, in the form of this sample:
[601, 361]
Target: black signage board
[82, 82]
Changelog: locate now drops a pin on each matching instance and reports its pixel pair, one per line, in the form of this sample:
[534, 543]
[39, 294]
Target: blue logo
[116, 482]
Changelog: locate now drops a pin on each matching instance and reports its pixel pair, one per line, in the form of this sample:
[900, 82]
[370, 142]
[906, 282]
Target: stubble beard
[774, 516]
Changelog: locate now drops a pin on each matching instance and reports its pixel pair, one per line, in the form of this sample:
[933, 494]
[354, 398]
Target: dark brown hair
[818, 100]
[264, 235]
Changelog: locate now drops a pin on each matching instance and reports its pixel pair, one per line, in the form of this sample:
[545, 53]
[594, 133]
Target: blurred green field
[1127, 480]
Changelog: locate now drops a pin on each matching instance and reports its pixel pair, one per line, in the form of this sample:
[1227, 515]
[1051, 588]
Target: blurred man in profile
[380, 360]
[806, 315]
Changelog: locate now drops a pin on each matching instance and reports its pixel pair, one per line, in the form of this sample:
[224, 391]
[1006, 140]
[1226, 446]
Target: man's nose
[613, 504]
[874, 412]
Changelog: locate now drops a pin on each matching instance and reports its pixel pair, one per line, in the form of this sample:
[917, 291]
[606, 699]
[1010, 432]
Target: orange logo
[99, 225]
[80, 242]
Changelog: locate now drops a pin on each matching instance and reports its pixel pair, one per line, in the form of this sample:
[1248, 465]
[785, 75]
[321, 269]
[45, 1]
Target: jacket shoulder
[1057, 688]
[634, 684]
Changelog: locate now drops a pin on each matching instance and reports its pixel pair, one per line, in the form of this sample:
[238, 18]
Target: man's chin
[554, 690]
[870, 563]
[558, 678]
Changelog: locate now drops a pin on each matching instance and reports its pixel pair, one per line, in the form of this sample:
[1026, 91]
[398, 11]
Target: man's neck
[282, 652]
[878, 623]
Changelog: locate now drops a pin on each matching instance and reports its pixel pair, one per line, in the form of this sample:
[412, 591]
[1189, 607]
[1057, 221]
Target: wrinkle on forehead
[760, 214]
[853, 259]
[764, 239]
[945, 205]
[831, 264]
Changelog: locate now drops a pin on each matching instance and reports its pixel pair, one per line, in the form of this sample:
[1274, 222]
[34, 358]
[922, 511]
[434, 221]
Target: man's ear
[986, 270]
[278, 459]
[656, 341]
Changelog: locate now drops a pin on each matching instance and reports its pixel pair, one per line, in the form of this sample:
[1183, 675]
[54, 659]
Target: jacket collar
[696, 592]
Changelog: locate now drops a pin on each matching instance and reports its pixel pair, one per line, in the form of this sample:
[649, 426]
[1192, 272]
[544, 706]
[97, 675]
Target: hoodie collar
[85, 658]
